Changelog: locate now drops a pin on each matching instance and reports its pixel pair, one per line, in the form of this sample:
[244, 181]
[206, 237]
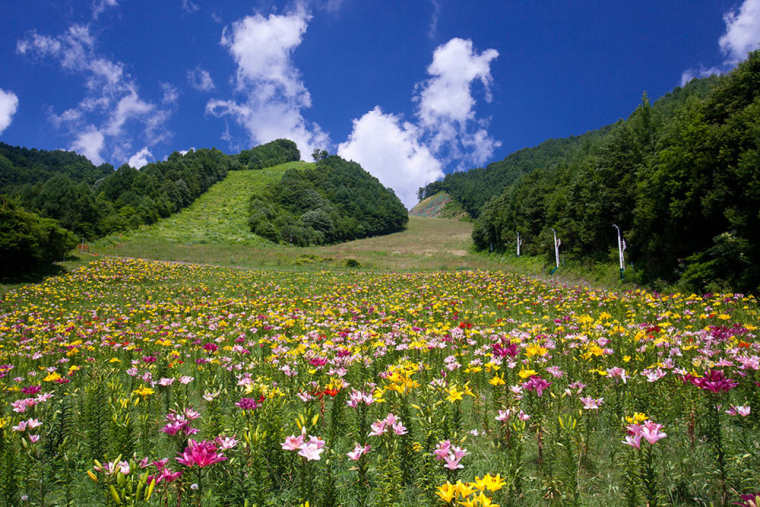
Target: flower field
[136, 382]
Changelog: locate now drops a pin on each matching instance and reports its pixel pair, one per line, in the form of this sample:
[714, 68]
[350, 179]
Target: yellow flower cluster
[471, 494]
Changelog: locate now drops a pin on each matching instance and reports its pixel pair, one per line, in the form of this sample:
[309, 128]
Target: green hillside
[220, 215]
[439, 205]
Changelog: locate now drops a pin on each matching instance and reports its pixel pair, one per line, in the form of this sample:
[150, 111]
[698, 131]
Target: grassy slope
[440, 205]
[426, 244]
[218, 216]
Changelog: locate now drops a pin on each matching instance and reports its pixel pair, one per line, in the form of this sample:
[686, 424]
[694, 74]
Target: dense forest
[94, 201]
[681, 178]
[334, 201]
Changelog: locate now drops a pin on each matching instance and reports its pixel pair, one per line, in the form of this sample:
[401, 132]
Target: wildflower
[590, 403]
[292, 443]
[209, 396]
[143, 392]
[225, 443]
[312, 449]
[378, 428]
[447, 492]
[714, 381]
[358, 452]
[651, 432]
[618, 372]
[452, 462]
[743, 410]
[503, 415]
[248, 404]
[490, 482]
[442, 450]
[537, 384]
[200, 454]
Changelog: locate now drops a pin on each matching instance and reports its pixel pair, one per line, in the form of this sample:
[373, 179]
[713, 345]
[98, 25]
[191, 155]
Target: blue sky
[410, 89]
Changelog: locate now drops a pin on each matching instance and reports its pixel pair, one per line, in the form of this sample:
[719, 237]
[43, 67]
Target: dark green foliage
[28, 241]
[334, 201]
[95, 201]
[20, 166]
[681, 178]
[473, 188]
[276, 152]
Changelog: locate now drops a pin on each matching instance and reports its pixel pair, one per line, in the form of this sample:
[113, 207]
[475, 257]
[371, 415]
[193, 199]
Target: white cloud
[702, 71]
[189, 6]
[433, 27]
[200, 79]
[99, 6]
[446, 105]
[274, 95]
[741, 37]
[333, 5]
[390, 150]
[8, 107]
[170, 93]
[140, 158]
[406, 156]
[185, 152]
[111, 100]
[90, 143]
[742, 32]
[129, 106]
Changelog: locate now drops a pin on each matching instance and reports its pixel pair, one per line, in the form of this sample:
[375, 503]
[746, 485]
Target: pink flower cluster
[356, 397]
[451, 454]
[504, 415]
[390, 421]
[164, 473]
[714, 381]
[358, 452]
[180, 423]
[590, 403]
[537, 384]
[200, 454]
[649, 431]
[310, 449]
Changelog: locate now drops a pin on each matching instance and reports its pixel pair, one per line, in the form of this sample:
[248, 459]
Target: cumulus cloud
[446, 105]
[391, 150]
[200, 79]
[140, 158]
[741, 37]
[447, 131]
[90, 143]
[742, 32]
[8, 107]
[274, 95]
[111, 99]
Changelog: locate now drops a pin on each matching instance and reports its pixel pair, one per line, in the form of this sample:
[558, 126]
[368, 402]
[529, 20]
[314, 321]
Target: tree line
[681, 178]
[91, 202]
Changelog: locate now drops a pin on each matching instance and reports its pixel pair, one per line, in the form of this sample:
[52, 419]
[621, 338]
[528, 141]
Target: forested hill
[333, 201]
[19, 166]
[473, 188]
[95, 201]
[681, 179]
